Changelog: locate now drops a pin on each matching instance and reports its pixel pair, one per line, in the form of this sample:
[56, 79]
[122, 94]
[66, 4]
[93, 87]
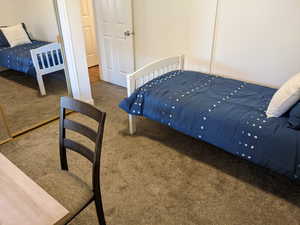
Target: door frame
[70, 27]
[97, 38]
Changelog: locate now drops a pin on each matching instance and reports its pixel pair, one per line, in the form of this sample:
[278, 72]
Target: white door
[88, 24]
[115, 34]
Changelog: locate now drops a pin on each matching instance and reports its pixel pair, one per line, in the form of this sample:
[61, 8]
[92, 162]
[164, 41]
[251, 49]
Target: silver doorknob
[128, 33]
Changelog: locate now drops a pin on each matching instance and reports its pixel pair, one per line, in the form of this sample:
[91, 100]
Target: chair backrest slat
[79, 148]
[82, 129]
[81, 107]
[94, 157]
[68, 103]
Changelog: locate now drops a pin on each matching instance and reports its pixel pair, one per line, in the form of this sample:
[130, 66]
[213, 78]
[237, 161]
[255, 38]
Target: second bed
[227, 113]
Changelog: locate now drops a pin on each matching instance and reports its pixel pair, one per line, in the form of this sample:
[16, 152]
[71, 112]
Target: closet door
[258, 40]
[87, 18]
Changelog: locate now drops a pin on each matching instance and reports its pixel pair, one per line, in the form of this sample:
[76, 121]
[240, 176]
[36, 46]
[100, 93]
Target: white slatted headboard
[47, 59]
[152, 71]
[148, 73]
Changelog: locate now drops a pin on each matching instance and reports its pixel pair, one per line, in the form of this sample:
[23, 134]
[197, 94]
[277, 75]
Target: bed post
[132, 124]
[39, 77]
[41, 84]
[130, 90]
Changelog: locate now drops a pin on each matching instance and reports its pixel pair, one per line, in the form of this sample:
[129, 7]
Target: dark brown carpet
[161, 177]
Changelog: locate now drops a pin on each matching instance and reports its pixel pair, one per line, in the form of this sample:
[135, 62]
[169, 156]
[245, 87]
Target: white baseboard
[91, 101]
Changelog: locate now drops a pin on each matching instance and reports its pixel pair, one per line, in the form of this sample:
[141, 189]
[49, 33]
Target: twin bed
[35, 59]
[229, 114]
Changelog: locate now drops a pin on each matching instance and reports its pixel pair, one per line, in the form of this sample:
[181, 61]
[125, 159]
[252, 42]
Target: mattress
[19, 58]
[227, 113]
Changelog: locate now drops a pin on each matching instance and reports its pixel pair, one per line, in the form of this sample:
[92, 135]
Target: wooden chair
[74, 194]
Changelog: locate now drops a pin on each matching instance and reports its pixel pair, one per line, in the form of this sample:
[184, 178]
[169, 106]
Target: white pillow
[285, 97]
[16, 35]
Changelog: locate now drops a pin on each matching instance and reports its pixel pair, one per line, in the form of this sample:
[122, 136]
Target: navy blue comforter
[227, 113]
[19, 58]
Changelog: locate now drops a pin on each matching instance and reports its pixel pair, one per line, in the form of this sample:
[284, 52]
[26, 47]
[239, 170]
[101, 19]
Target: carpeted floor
[161, 177]
[4, 134]
[22, 103]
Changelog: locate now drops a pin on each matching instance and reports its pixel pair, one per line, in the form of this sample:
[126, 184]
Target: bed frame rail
[148, 73]
[47, 59]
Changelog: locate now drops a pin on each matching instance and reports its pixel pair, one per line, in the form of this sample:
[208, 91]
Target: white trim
[148, 73]
[214, 40]
[74, 46]
[97, 33]
[59, 39]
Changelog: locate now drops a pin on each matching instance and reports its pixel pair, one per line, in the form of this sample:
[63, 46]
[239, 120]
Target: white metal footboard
[148, 73]
[47, 59]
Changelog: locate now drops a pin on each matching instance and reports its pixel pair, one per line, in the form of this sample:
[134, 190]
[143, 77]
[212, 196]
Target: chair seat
[68, 190]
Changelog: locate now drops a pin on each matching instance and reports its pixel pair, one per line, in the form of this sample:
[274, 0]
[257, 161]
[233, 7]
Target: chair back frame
[68, 103]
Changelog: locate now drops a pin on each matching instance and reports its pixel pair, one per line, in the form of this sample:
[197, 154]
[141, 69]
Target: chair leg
[100, 212]
[41, 84]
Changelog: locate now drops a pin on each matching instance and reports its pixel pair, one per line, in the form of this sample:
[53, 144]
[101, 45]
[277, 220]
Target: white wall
[161, 28]
[38, 15]
[201, 14]
[41, 19]
[257, 40]
[9, 13]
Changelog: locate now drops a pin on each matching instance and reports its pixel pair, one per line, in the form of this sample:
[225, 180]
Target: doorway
[114, 38]
[89, 32]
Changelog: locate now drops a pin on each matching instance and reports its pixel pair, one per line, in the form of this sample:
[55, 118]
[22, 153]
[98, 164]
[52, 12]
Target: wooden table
[24, 202]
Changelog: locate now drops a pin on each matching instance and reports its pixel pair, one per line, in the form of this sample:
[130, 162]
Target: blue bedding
[19, 58]
[227, 113]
